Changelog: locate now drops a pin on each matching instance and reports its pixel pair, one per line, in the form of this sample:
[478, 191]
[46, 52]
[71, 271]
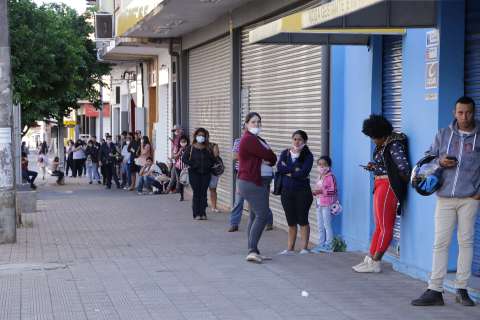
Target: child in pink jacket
[325, 192]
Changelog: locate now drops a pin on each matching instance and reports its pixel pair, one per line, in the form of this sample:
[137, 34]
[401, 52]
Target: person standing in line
[126, 162]
[174, 142]
[69, 153]
[325, 193]
[25, 148]
[96, 165]
[135, 149]
[199, 159]
[183, 144]
[457, 149]
[108, 156]
[28, 175]
[391, 170]
[42, 159]
[92, 152]
[295, 165]
[78, 159]
[214, 179]
[253, 151]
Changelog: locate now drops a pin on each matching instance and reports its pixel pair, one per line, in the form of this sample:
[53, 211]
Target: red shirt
[250, 157]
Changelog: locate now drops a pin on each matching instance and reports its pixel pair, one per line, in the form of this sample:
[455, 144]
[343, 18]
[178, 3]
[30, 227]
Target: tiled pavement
[89, 253]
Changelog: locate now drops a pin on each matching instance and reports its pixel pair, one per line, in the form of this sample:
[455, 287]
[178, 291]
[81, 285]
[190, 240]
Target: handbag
[218, 167]
[184, 178]
[277, 183]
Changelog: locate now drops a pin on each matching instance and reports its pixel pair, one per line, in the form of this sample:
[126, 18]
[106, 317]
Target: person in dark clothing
[391, 171]
[183, 143]
[69, 157]
[28, 175]
[295, 165]
[200, 160]
[108, 153]
[92, 153]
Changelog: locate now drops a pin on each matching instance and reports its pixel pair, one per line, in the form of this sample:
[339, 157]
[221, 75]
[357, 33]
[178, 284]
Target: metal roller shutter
[287, 85]
[472, 89]
[392, 104]
[209, 103]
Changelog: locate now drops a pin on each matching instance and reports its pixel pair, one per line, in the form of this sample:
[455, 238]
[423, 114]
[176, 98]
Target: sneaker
[365, 261]
[304, 251]
[140, 193]
[269, 227]
[254, 257]
[125, 188]
[317, 249]
[463, 298]
[287, 253]
[233, 229]
[215, 210]
[370, 267]
[429, 298]
[90, 182]
[99, 182]
[264, 258]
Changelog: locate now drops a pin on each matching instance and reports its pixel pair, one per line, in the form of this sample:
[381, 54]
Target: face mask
[323, 170]
[200, 139]
[183, 144]
[255, 131]
[128, 142]
[109, 141]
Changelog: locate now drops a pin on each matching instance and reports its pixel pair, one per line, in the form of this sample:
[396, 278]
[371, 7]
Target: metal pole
[101, 111]
[17, 138]
[7, 175]
[61, 145]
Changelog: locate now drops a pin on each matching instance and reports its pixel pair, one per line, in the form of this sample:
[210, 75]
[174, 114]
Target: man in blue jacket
[458, 150]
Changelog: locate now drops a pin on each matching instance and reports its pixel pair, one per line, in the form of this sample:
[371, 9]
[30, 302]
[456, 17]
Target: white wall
[164, 108]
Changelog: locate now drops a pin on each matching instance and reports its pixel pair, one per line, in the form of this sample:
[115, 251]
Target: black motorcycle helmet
[426, 176]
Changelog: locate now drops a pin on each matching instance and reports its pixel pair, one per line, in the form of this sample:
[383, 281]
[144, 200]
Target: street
[89, 253]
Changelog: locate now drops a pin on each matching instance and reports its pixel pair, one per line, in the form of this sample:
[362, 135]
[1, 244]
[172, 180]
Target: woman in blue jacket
[295, 164]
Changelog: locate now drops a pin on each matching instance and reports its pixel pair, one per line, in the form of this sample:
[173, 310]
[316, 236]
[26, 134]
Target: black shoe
[108, 187]
[463, 298]
[90, 182]
[33, 187]
[233, 229]
[99, 182]
[181, 199]
[429, 298]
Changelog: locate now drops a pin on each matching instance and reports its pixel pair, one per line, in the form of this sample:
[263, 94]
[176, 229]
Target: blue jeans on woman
[92, 172]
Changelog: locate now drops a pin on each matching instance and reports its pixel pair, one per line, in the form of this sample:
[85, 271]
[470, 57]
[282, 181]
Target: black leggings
[199, 183]
[179, 185]
[78, 167]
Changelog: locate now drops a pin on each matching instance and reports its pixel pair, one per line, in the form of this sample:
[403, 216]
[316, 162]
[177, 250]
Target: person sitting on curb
[458, 200]
[147, 176]
[28, 175]
[57, 173]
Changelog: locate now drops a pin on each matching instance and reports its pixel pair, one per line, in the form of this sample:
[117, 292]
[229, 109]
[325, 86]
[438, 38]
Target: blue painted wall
[355, 93]
[351, 102]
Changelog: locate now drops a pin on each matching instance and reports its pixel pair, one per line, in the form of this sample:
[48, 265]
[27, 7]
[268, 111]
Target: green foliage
[338, 244]
[54, 62]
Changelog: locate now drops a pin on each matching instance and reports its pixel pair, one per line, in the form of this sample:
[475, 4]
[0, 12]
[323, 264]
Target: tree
[54, 61]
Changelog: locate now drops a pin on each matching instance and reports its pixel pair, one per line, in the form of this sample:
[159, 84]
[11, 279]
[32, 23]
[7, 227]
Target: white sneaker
[287, 253]
[370, 267]
[361, 264]
[254, 257]
[304, 251]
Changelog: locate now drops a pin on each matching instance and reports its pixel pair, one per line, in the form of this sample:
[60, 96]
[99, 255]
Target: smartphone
[452, 158]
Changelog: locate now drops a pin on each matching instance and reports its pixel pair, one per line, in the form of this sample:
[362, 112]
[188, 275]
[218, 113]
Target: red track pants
[385, 207]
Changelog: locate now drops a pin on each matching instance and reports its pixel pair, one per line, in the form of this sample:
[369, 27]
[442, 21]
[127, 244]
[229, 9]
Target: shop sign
[333, 10]
[431, 75]
[69, 123]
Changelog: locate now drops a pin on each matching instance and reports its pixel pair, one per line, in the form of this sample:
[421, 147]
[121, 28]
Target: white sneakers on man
[254, 257]
[368, 266]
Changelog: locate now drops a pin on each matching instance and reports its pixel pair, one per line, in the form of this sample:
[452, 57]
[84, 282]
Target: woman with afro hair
[391, 170]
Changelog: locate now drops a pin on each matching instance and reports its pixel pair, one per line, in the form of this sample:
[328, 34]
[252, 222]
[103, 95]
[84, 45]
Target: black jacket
[198, 160]
[108, 151]
[398, 181]
[93, 152]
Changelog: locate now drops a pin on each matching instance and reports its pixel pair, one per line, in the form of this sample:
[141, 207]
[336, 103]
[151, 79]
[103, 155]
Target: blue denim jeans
[92, 172]
[143, 181]
[127, 174]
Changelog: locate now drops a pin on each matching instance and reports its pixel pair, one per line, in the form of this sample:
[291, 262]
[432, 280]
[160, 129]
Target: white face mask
[128, 142]
[183, 144]
[255, 131]
[200, 139]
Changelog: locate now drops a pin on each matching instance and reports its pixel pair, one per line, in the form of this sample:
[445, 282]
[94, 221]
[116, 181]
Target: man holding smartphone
[458, 151]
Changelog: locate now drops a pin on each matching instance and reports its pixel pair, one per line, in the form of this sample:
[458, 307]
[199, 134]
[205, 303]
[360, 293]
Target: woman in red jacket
[253, 151]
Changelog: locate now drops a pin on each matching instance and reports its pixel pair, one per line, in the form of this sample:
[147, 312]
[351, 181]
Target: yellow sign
[293, 24]
[134, 13]
[69, 123]
[333, 10]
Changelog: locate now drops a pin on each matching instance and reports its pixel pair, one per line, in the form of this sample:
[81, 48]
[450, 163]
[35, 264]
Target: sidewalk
[90, 253]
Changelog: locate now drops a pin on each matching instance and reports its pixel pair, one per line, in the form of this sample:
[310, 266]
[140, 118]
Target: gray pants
[257, 197]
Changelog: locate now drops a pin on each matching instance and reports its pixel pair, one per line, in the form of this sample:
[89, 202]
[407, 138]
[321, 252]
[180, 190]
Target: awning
[135, 12]
[371, 14]
[288, 30]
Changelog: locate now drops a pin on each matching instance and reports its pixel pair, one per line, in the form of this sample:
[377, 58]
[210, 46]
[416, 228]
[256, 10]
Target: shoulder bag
[183, 178]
